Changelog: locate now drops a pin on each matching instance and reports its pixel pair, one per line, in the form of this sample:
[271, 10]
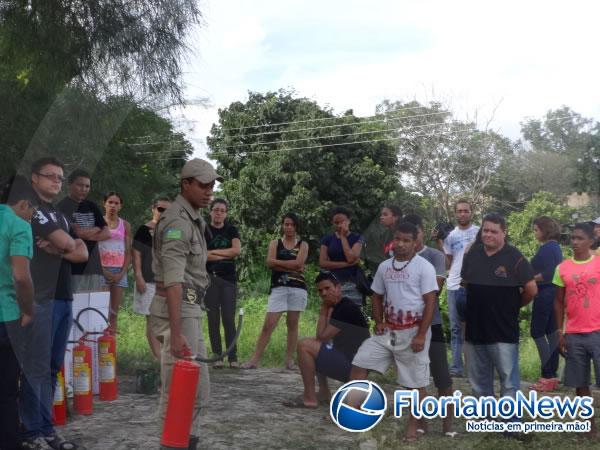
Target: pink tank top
[112, 251]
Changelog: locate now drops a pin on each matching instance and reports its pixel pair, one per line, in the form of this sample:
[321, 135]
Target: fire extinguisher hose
[235, 338]
[80, 327]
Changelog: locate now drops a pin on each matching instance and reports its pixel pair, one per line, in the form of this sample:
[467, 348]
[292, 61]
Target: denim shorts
[284, 298]
[121, 283]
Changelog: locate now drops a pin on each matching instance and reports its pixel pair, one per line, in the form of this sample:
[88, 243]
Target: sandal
[297, 402]
[58, 443]
[544, 385]
[218, 364]
[291, 366]
[248, 366]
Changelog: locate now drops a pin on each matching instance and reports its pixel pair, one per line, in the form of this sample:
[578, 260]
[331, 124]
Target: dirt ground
[246, 413]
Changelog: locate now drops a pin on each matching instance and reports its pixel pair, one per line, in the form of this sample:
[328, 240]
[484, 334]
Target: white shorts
[377, 353]
[141, 302]
[287, 299]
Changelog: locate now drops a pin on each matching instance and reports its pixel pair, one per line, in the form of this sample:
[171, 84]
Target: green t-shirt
[15, 240]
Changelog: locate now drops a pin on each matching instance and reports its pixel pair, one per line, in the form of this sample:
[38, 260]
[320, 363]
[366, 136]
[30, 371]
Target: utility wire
[311, 138]
[337, 144]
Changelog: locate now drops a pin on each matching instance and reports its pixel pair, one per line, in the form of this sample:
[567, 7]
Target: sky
[493, 62]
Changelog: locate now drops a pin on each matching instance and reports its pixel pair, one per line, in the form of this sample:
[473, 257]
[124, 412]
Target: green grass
[134, 352]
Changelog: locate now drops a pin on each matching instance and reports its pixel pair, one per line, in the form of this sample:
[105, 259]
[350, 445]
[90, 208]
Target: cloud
[522, 58]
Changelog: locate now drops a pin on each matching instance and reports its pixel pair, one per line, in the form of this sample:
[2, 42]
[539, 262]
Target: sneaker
[38, 443]
[56, 442]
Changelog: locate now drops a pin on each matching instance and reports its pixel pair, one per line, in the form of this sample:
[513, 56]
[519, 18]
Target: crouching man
[341, 329]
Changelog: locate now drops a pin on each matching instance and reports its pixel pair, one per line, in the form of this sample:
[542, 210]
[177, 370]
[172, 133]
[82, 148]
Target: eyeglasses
[52, 176]
[161, 209]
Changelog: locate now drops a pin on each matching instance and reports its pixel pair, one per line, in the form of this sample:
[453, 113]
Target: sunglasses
[161, 209]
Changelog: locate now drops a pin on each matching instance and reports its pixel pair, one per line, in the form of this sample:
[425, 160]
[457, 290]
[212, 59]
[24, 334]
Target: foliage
[119, 47]
[520, 224]
[102, 137]
[280, 153]
[564, 139]
[441, 157]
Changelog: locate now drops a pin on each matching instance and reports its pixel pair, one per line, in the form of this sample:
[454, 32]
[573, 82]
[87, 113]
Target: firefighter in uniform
[179, 264]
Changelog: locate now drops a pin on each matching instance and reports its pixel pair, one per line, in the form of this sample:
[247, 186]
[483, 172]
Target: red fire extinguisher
[82, 378]
[180, 409]
[107, 366]
[59, 407]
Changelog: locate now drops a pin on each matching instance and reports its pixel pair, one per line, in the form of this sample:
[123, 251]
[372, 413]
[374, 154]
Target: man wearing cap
[179, 265]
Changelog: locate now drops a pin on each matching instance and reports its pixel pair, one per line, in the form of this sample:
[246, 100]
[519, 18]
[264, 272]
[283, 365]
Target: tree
[282, 153]
[520, 223]
[118, 47]
[566, 138]
[442, 157]
[104, 50]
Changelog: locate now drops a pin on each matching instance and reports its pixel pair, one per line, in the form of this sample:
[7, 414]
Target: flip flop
[248, 366]
[297, 402]
[410, 439]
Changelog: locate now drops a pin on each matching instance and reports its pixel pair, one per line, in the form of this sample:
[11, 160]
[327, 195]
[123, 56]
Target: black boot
[193, 442]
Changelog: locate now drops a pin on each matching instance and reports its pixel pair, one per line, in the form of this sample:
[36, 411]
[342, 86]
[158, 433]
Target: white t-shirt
[403, 290]
[454, 245]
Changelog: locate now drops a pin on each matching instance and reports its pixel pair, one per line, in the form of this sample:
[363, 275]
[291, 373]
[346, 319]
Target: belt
[396, 327]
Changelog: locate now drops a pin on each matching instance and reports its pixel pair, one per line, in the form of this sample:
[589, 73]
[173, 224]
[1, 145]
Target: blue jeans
[44, 346]
[457, 301]
[483, 359]
[543, 330]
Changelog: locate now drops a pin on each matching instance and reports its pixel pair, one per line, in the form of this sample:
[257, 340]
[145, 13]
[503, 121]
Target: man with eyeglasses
[45, 341]
[341, 329]
[16, 296]
[89, 225]
[179, 265]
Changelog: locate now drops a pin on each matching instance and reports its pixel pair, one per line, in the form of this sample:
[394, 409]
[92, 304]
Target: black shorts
[438, 359]
[332, 363]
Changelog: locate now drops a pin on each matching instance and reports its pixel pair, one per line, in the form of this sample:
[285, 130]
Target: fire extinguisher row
[83, 370]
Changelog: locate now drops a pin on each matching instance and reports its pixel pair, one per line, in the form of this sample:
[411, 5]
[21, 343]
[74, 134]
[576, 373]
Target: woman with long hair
[340, 253]
[223, 243]
[543, 320]
[115, 254]
[286, 257]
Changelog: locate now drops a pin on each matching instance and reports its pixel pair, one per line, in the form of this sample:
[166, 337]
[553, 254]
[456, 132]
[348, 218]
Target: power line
[254, 144]
[320, 119]
[265, 133]
[337, 144]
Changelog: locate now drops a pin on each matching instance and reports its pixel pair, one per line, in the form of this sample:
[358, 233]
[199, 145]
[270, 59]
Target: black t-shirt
[287, 279]
[493, 297]
[87, 215]
[51, 274]
[353, 325]
[142, 242]
[217, 239]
